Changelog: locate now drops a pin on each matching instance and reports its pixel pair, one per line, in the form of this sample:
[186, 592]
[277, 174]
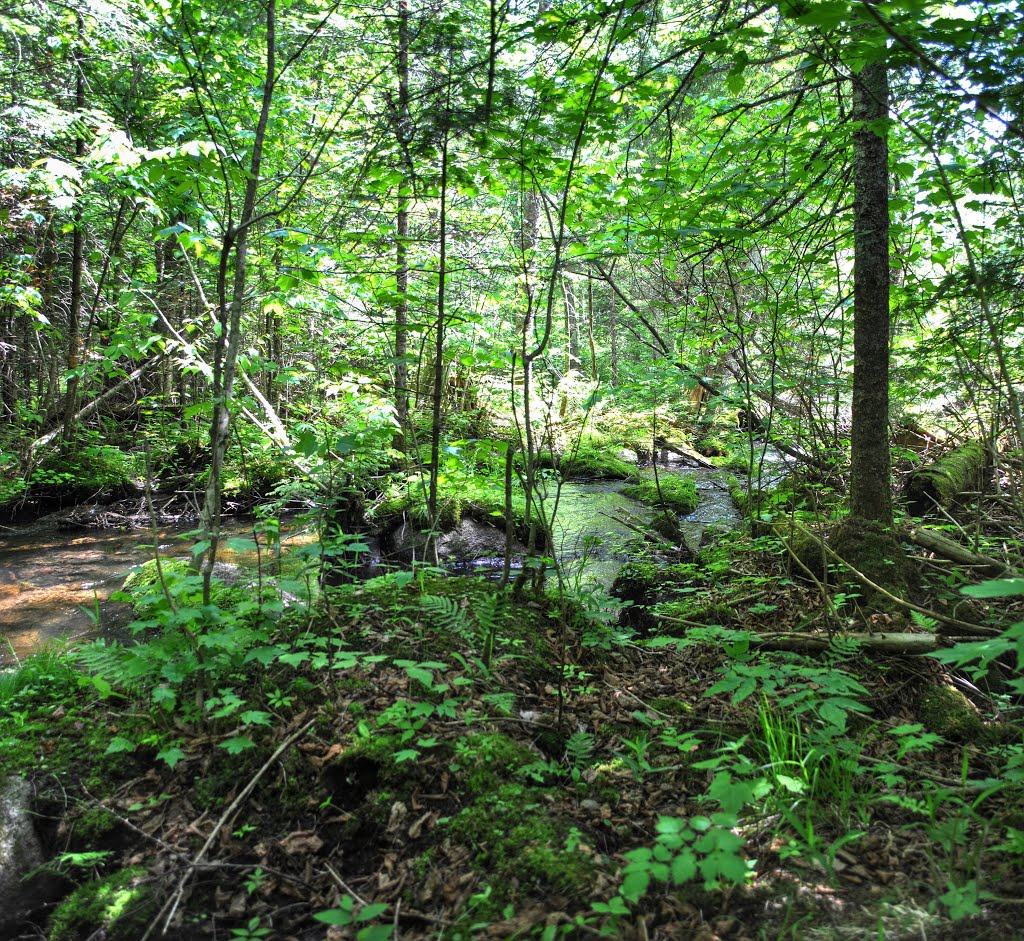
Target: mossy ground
[501, 795]
[117, 907]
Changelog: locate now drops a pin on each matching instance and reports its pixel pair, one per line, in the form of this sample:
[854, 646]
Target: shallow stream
[54, 583]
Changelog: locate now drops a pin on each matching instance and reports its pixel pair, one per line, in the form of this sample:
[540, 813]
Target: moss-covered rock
[949, 713]
[183, 584]
[670, 490]
[116, 908]
[590, 459]
[522, 844]
[638, 582]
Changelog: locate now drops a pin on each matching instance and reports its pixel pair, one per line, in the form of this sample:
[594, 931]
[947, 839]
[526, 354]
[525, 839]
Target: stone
[20, 853]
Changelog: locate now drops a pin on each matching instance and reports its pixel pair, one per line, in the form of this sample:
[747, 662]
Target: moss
[517, 839]
[671, 707]
[696, 611]
[949, 713]
[590, 459]
[483, 762]
[807, 549]
[875, 552]
[147, 576]
[941, 482]
[459, 495]
[638, 582]
[672, 490]
[183, 583]
[92, 824]
[117, 907]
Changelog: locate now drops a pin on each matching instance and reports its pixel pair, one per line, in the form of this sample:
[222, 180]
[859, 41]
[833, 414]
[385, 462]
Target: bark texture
[870, 496]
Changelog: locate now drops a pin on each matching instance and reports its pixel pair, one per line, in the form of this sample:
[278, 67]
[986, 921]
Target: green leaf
[255, 717]
[236, 544]
[634, 885]
[996, 588]
[120, 744]
[684, 868]
[335, 916]
[371, 912]
[170, 756]
[375, 932]
[238, 744]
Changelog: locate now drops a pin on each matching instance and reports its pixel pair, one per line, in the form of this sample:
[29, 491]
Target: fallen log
[895, 644]
[945, 478]
[949, 549]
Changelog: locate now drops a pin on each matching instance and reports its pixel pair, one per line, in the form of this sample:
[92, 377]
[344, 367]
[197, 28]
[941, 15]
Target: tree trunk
[870, 496]
[435, 425]
[229, 317]
[77, 247]
[590, 329]
[402, 237]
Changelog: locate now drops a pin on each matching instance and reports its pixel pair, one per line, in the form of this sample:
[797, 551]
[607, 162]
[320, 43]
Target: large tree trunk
[870, 497]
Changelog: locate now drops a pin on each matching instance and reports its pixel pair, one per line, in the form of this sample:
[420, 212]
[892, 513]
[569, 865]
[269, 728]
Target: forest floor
[361, 773]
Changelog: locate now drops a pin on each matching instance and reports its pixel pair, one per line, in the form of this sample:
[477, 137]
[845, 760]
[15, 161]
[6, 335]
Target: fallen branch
[92, 406]
[897, 643]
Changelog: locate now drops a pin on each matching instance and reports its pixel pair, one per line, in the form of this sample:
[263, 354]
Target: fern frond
[446, 614]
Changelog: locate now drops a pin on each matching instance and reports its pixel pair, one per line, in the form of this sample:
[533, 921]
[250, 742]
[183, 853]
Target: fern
[488, 615]
[578, 748]
[446, 614]
[923, 621]
[107, 663]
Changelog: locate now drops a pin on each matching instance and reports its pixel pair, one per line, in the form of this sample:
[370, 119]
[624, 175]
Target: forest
[507, 469]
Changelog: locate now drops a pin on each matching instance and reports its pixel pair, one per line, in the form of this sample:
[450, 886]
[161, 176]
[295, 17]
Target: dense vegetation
[396, 284]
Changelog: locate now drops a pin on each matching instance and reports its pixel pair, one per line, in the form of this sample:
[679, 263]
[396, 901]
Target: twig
[175, 899]
[344, 887]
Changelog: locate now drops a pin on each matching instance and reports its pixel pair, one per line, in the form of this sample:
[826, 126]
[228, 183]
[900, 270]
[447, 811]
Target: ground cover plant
[570, 457]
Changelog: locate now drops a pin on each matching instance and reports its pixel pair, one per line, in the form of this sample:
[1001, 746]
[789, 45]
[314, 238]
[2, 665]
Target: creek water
[53, 583]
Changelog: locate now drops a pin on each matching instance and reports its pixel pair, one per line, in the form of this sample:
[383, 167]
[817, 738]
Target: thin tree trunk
[435, 425]
[77, 248]
[590, 329]
[402, 237]
[613, 338]
[229, 317]
[870, 496]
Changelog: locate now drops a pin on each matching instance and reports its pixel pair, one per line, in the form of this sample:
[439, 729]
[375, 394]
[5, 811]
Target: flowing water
[54, 583]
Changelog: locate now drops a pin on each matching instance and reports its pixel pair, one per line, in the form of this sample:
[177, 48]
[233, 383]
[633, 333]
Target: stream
[57, 584]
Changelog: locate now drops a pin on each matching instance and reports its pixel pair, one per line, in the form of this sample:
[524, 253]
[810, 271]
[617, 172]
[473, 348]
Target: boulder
[20, 853]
